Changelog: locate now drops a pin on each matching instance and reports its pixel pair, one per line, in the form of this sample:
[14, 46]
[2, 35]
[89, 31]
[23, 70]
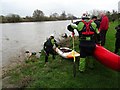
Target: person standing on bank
[117, 41]
[86, 29]
[97, 22]
[94, 18]
[104, 25]
[48, 47]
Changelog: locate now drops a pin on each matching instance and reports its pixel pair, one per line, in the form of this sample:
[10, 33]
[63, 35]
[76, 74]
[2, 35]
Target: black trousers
[86, 48]
[47, 52]
[103, 37]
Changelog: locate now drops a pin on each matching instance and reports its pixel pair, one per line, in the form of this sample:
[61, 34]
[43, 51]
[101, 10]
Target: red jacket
[104, 24]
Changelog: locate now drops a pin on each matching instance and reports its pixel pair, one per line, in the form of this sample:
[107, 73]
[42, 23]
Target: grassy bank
[59, 72]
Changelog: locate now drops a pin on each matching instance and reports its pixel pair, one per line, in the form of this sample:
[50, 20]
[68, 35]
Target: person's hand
[73, 34]
[99, 29]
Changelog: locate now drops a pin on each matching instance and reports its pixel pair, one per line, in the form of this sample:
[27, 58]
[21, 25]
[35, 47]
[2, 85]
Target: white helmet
[52, 35]
[85, 16]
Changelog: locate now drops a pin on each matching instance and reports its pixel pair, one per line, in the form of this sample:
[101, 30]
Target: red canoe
[107, 58]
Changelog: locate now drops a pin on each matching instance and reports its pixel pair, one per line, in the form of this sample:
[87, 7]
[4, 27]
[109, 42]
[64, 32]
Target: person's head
[102, 14]
[94, 18]
[85, 16]
[52, 36]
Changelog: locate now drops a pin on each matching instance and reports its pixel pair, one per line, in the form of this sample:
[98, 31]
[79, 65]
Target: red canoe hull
[107, 58]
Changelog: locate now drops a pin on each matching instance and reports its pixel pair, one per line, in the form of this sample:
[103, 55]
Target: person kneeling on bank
[48, 47]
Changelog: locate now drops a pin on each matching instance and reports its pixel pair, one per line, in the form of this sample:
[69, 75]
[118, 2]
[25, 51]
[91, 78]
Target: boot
[82, 64]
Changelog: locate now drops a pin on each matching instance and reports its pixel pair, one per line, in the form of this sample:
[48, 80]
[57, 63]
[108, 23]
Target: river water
[16, 38]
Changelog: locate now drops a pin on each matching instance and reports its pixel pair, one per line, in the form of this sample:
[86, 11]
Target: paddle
[74, 66]
[73, 53]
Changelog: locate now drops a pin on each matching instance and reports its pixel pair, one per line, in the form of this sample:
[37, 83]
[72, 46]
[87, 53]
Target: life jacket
[88, 31]
[48, 43]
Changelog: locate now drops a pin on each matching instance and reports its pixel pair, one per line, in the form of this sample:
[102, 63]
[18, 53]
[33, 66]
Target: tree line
[39, 15]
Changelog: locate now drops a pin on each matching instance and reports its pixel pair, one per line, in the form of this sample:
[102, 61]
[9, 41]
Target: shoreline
[36, 21]
[12, 64]
[22, 63]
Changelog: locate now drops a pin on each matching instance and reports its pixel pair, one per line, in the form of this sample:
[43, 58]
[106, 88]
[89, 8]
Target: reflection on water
[19, 37]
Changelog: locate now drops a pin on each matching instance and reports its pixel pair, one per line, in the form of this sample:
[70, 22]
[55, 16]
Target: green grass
[59, 72]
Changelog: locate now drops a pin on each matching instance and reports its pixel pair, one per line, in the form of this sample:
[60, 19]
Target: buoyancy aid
[48, 43]
[87, 31]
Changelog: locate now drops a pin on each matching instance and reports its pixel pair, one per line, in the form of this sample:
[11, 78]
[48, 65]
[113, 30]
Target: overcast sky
[75, 7]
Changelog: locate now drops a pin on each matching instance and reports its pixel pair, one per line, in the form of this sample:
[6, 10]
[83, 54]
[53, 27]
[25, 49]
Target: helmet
[85, 16]
[94, 17]
[52, 35]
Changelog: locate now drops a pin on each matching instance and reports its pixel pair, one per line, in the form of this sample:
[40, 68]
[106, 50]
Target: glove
[73, 34]
[99, 29]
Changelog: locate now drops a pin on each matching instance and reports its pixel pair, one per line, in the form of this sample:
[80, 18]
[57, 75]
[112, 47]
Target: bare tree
[71, 16]
[63, 15]
[38, 15]
[55, 15]
[13, 18]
